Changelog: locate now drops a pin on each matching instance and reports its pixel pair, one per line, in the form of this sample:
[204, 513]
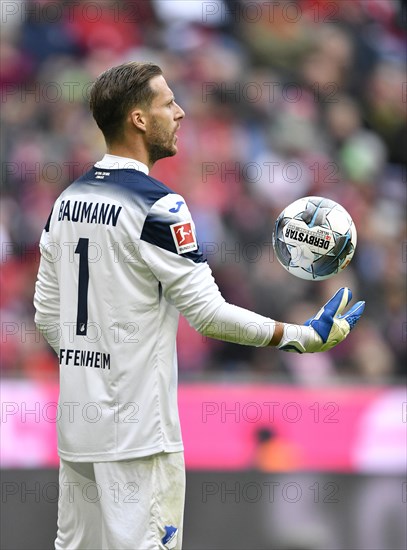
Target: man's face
[164, 117]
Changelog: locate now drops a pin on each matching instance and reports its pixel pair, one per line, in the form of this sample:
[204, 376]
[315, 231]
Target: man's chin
[171, 151]
[157, 153]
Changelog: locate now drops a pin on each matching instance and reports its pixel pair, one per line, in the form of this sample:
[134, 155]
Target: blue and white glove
[326, 329]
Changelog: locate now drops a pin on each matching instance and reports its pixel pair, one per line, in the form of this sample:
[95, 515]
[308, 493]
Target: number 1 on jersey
[83, 284]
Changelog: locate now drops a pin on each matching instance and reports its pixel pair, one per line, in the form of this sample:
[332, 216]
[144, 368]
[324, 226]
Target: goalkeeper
[119, 259]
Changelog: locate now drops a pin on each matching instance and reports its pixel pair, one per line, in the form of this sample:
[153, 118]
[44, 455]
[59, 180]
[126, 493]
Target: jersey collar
[112, 162]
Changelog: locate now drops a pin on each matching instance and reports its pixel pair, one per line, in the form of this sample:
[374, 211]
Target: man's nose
[180, 113]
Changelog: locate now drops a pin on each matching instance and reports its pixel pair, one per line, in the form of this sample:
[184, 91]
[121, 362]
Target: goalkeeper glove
[326, 329]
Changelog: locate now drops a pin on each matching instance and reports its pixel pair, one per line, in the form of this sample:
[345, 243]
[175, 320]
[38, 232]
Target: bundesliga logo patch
[184, 237]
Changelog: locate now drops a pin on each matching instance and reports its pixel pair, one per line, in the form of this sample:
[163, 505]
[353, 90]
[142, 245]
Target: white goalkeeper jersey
[119, 260]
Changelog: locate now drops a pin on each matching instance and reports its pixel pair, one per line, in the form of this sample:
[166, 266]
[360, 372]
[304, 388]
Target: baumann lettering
[83, 212]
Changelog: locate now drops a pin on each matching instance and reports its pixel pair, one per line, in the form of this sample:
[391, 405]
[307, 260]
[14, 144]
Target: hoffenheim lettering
[84, 358]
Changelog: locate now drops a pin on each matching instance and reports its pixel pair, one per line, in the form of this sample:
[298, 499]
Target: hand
[327, 328]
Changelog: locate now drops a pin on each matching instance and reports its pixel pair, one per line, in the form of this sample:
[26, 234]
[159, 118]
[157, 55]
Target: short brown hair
[118, 90]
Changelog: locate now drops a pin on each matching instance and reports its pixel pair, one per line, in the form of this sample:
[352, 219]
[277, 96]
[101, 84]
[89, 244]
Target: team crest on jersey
[169, 540]
[184, 237]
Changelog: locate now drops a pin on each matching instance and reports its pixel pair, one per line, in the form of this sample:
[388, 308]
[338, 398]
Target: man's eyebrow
[170, 94]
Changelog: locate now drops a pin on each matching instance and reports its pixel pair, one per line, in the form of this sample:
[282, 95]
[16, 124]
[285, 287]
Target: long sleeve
[191, 288]
[46, 297]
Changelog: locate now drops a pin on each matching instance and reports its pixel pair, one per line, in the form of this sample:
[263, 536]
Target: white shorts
[127, 505]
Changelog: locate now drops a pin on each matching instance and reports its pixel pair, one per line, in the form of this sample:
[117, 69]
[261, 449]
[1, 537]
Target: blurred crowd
[282, 99]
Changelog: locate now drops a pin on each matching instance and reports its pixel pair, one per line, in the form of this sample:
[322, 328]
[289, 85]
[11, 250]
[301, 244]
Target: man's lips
[175, 133]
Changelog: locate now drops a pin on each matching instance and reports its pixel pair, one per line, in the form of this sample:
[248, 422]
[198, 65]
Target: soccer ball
[314, 238]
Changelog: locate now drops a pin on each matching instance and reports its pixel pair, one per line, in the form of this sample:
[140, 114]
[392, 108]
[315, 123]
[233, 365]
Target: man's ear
[139, 119]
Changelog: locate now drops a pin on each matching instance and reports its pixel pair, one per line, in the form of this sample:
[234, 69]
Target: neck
[123, 150]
